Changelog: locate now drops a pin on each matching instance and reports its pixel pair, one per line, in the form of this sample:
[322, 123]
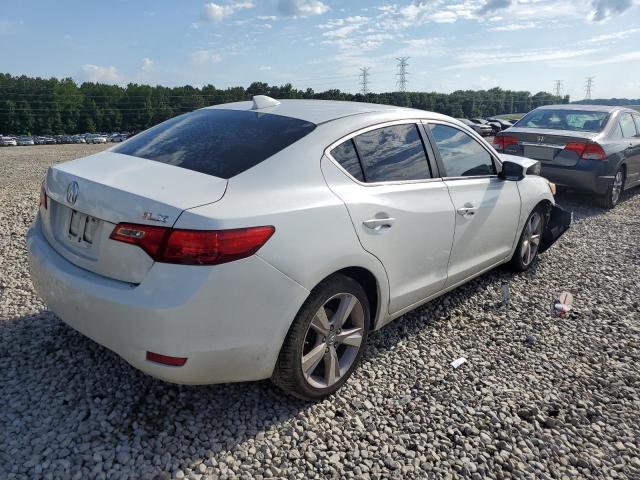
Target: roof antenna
[263, 101]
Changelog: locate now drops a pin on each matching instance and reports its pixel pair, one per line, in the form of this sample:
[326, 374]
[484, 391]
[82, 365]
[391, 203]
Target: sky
[323, 44]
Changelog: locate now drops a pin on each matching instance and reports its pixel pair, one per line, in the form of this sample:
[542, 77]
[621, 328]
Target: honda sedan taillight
[587, 151]
[501, 142]
[193, 247]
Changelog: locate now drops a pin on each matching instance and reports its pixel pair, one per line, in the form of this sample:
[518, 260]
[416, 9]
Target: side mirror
[512, 171]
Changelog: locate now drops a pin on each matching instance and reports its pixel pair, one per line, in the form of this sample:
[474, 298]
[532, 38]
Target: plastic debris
[563, 304]
[458, 361]
[506, 294]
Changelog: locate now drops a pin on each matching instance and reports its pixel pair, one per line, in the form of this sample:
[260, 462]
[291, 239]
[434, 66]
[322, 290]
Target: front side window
[462, 155]
[346, 155]
[217, 142]
[628, 126]
[393, 153]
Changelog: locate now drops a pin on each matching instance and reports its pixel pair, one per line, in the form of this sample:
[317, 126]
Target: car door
[630, 126]
[487, 208]
[401, 213]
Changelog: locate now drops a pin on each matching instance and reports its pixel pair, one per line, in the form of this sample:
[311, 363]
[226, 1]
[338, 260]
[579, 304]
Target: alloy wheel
[531, 240]
[333, 340]
[616, 188]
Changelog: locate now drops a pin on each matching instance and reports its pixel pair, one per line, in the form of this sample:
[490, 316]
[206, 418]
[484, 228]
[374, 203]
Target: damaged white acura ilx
[267, 239]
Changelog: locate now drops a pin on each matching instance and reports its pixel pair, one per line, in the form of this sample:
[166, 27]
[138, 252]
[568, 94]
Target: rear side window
[628, 126]
[462, 155]
[218, 142]
[346, 155]
[393, 153]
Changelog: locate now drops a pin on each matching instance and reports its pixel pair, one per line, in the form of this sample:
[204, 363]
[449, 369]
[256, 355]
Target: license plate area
[83, 229]
[540, 153]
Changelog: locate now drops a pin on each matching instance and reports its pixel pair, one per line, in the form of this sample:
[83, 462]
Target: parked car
[8, 142]
[273, 245]
[98, 139]
[500, 122]
[481, 121]
[588, 148]
[117, 138]
[24, 141]
[78, 139]
[484, 130]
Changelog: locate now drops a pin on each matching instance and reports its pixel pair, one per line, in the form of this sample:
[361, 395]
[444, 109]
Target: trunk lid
[547, 145]
[110, 188]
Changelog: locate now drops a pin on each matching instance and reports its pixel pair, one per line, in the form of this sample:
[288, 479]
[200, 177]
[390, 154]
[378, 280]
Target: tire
[325, 341]
[529, 242]
[612, 196]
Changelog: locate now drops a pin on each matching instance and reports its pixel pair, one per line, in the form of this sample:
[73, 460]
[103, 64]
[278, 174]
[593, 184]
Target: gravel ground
[540, 396]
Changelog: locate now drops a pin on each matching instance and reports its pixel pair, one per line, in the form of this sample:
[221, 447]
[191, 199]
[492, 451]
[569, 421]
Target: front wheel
[326, 341]
[529, 244]
[612, 196]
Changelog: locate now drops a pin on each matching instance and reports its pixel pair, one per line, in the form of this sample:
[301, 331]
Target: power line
[402, 73]
[558, 88]
[364, 80]
[588, 86]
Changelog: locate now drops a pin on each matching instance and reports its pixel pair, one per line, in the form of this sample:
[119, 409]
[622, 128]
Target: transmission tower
[364, 80]
[558, 88]
[402, 73]
[587, 87]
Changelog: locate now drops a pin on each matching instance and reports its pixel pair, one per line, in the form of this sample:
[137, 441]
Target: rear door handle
[379, 223]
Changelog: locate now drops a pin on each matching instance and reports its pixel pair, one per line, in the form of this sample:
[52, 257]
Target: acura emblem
[72, 192]
[540, 138]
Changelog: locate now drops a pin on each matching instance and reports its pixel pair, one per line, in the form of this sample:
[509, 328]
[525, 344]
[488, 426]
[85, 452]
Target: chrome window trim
[473, 134]
[390, 123]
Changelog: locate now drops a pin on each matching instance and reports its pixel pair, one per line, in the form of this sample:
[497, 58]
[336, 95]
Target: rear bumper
[586, 176]
[229, 321]
[559, 222]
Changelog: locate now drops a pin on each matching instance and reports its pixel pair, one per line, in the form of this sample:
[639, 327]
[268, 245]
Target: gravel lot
[540, 396]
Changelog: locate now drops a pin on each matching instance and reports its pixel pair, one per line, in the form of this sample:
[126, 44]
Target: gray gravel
[540, 396]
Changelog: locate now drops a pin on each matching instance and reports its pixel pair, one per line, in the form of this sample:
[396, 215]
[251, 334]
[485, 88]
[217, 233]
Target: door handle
[379, 223]
[467, 210]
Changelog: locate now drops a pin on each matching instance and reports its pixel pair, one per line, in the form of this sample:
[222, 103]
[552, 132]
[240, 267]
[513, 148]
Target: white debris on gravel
[545, 397]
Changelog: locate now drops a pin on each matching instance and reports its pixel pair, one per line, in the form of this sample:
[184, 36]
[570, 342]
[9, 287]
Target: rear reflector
[193, 247]
[166, 359]
[501, 142]
[587, 151]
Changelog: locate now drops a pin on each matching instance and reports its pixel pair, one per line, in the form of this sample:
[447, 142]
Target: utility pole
[402, 73]
[588, 86]
[364, 80]
[558, 88]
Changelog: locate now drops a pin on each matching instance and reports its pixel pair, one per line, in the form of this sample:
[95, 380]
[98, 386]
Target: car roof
[322, 111]
[584, 107]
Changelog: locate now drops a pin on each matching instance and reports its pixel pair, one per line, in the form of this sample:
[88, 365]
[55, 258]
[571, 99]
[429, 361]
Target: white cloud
[627, 57]
[610, 37]
[147, 64]
[201, 57]
[302, 8]
[483, 59]
[101, 74]
[265, 68]
[214, 12]
[512, 27]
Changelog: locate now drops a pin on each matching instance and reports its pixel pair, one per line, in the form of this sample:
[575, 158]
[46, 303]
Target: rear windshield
[576, 120]
[217, 142]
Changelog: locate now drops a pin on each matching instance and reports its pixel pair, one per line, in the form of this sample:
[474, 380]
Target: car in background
[481, 121]
[482, 129]
[24, 141]
[78, 139]
[501, 123]
[117, 138]
[337, 217]
[8, 142]
[588, 148]
[97, 139]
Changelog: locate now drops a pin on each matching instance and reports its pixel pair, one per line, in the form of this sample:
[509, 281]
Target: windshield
[218, 142]
[576, 120]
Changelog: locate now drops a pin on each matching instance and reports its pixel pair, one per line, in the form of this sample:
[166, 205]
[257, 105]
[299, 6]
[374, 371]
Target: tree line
[35, 106]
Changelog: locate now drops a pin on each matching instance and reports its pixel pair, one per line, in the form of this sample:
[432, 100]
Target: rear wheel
[611, 198]
[529, 244]
[326, 341]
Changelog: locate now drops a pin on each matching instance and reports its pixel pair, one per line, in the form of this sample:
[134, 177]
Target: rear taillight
[43, 197]
[501, 142]
[587, 151]
[193, 247]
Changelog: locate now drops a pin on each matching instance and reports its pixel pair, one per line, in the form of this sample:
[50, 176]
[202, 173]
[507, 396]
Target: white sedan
[267, 239]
